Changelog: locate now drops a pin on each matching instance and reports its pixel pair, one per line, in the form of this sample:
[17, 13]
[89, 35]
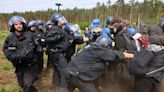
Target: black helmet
[57, 17]
[31, 23]
[39, 22]
[104, 41]
[15, 19]
[108, 20]
[47, 24]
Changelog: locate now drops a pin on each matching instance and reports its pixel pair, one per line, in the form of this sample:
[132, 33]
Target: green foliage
[13, 87]
[3, 35]
[84, 25]
[149, 11]
[5, 66]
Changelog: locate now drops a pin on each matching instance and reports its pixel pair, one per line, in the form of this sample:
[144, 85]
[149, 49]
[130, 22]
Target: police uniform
[143, 63]
[58, 44]
[39, 34]
[89, 65]
[21, 52]
[73, 41]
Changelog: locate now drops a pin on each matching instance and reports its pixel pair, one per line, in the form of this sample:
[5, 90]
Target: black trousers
[59, 62]
[49, 60]
[146, 84]
[26, 77]
[40, 61]
[83, 86]
[72, 82]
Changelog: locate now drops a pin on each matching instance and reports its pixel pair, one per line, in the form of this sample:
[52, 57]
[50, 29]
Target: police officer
[19, 49]
[48, 25]
[32, 26]
[58, 43]
[156, 33]
[39, 39]
[75, 38]
[90, 64]
[143, 66]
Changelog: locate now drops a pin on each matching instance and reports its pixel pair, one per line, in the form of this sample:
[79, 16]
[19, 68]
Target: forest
[147, 12]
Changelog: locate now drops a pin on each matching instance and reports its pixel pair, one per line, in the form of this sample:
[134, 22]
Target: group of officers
[117, 43]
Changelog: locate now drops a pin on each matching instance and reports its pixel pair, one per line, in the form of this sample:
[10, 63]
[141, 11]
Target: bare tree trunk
[131, 13]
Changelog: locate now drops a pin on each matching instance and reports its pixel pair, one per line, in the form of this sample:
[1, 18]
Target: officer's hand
[15, 63]
[128, 55]
[20, 57]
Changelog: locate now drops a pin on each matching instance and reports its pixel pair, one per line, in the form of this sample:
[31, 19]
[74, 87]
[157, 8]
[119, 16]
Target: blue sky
[8, 6]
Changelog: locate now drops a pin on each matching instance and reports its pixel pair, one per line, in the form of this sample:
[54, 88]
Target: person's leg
[49, 61]
[59, 63]
[40, 61]
[145, 85]
[84, 86]
[29, 78]
[19, 75]
[55, 81]
[156, 85]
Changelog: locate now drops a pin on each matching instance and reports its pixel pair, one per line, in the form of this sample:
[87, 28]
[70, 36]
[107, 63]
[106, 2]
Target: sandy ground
[43, 84]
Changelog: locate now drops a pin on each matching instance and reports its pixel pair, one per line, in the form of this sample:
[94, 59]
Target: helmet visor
[62, 20]
[74, 28]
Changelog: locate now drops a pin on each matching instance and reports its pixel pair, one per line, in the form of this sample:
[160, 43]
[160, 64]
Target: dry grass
[45, 81]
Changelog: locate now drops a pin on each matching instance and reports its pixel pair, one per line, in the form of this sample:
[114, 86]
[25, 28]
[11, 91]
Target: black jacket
[147, 61]
[138, 66]
[90, 62]
[156, 35]
[20, 50]
[56, 38]
[72, 47]
[124, 42]
[38, 35]
[156, 63]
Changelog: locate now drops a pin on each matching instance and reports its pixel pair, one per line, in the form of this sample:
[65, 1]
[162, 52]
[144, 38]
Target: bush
[84, 25]
[13, 87]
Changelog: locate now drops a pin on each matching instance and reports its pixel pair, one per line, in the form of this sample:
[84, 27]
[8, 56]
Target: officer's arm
[9, 51]
[78, 40]
[54, 38]
[112, 55]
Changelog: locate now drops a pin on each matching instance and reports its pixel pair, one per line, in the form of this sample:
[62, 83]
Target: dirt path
[44, 82]
[7, 77]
